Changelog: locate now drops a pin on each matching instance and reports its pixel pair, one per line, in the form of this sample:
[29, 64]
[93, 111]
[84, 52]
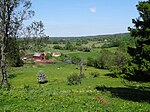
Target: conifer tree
[139, 68]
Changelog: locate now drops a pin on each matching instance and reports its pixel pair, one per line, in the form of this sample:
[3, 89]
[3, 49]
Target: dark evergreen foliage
[139, 68]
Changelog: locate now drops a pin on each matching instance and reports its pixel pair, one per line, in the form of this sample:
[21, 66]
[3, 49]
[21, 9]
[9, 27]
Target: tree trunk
[3, 44]
[3, 64]
[4, 78]
[81, 67]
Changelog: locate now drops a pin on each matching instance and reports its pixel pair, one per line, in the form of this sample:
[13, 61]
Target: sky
[71, 18]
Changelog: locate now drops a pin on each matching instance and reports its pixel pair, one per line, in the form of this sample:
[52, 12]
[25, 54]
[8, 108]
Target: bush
[106, 45]
[91, 62]
[84, 49]
[82, 75]
[11, 76]
[48, 56]
[57, 47]
[75, 59]
[105, 59]
[94, 74]
[74, 79]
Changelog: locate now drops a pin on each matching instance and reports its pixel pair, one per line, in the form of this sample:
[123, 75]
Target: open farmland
[27, 95]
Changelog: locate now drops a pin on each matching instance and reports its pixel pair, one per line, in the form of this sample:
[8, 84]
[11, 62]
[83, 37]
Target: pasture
[100, 94]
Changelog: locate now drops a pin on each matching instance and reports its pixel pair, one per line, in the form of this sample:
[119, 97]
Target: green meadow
[71, 66]
[104, 93]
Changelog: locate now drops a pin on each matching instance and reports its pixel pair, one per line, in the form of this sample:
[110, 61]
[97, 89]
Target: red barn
[39, 56]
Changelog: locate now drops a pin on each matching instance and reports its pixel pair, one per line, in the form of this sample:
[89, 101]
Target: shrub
[105, 59]
[82, 75]
[94, 74]
[106, 45]
[91, 62]
[75, 59]
[69, 46]
[84, 49]
[57, 47]
[48, 56]
[87, 49]
[11, 76]
[74, 79]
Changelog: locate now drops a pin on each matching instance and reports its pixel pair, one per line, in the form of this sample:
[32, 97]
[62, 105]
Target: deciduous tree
[12, 15]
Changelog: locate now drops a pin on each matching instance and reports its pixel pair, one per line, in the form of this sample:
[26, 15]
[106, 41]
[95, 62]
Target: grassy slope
[57, 96]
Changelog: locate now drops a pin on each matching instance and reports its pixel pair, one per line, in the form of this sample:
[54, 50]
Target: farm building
[27, 56]
[56, 54]
[39, 56]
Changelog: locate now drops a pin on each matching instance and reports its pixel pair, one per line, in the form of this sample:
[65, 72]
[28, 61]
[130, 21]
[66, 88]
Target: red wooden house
[39, 56]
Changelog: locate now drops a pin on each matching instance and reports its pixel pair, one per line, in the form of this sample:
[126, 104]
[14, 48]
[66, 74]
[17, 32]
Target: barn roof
[56, 53]
[38, 54]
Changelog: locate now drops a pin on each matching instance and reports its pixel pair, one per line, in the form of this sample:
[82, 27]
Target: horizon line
[88, 35]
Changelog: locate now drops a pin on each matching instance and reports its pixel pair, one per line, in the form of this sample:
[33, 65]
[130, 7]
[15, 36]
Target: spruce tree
[139, 68]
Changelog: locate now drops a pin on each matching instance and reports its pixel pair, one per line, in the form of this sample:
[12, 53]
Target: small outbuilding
[27, 56]
[56, 54]
[39, 56]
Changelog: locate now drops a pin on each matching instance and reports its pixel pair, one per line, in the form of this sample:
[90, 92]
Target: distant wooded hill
[96, 36]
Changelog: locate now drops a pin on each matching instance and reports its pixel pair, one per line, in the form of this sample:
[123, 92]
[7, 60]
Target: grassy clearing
[112, 49]
[84, 55]
[111, 95]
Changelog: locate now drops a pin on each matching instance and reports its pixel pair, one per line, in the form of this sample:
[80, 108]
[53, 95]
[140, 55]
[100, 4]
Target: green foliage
[82, 75]
[48, 56]
[69, 46]
[57, 47]
[85, 41]
[11, 76]
[75, 59]
[25, 94]
[141, 52]
[105, 59]
[84, 49]
[79, 42]
[114, 61]
[74, 79]
[13, 55]
[121, 59]
[126, 41]
[93, 46]
[105, 45]
[91, 62]
[94, 74]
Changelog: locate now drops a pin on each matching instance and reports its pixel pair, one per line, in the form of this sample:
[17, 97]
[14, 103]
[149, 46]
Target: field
[100, 94]
[83, 70]
[103, 93]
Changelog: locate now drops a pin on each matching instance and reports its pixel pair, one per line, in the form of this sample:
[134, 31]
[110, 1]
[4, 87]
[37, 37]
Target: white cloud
[93, 10]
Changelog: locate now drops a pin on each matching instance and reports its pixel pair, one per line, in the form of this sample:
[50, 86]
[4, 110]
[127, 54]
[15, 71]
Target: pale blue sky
[84, 17]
